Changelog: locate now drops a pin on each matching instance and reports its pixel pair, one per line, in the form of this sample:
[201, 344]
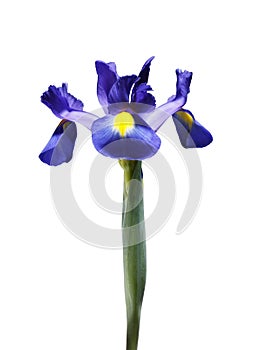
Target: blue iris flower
[128, 129]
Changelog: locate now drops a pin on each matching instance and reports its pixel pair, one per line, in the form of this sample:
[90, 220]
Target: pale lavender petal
[174, 103]
[84, 118]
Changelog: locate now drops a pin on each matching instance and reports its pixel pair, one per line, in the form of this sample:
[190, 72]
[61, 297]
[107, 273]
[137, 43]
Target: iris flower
[128, 128]
[128, 132]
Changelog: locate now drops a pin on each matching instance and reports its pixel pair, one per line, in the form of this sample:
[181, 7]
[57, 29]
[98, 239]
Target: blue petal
[66, 106]
[139, 143]
[60, 147]
[174, 103]
[144, 73]
[107, 76]
[191, 133]
[73, 102]
[121, 89]
[60, 101]
[141, 95]
[183, 82]
[140, 90]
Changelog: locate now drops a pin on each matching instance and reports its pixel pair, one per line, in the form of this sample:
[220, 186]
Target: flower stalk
[134, 247]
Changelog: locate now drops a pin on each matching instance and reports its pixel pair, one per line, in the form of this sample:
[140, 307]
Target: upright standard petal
[144, 73]
[66, 106]
[190, 132]
[60, 147]
[174, 103]
[124, 136]
[107, 76]
[141, 95]
[120, 90]
[140, 90]
[118, 97]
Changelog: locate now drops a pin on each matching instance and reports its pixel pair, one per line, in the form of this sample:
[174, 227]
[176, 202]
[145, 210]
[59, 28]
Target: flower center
[123, 122]
[186, 118]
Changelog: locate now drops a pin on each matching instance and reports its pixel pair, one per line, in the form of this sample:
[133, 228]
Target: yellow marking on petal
[185, 117]
[123, 122]
[65, 124]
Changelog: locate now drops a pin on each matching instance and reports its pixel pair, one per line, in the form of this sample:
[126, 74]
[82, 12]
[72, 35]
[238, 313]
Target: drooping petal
[107, 76]
[60, 147]
[191, 133]
[66, 106]
[124, 136]
[174, 103]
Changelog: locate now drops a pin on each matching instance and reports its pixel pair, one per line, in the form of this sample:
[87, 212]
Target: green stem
[134, 250]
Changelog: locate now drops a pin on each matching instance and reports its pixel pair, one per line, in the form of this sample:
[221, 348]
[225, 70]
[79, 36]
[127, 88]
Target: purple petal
[60, 147]
[73, 102]
[66, 106]
[121, 89]
[191, 133]
[107, 76]
[140, 90]
[174, 103]
[54, 100]
[183, 82]
[144, 73]
[60, 101]
[141, 95]
[139, 142]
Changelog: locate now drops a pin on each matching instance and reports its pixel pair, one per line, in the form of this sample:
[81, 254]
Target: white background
[60, 293]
